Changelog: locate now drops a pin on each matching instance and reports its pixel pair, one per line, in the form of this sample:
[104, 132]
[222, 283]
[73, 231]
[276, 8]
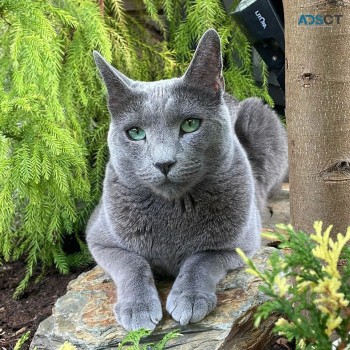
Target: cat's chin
[169, 190]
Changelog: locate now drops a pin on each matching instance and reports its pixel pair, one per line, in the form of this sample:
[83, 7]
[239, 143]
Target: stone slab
[84, 316]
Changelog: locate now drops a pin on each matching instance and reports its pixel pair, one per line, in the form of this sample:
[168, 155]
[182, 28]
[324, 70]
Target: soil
[20, 316]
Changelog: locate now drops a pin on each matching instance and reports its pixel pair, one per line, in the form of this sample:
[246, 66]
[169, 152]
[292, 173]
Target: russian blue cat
[189, 169]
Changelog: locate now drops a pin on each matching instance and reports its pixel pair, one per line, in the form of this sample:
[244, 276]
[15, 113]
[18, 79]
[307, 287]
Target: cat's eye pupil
[136, 134]
[190, 125]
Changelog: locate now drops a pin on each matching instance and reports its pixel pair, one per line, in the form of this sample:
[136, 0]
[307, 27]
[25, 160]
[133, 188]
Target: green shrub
[132, 340]
[51, 108]
[21, 341]
[309, 286]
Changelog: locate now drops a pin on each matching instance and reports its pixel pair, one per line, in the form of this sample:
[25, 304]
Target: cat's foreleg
[138, 304]
[192, 296]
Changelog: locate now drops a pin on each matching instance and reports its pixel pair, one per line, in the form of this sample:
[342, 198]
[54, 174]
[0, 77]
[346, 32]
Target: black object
[262, 23]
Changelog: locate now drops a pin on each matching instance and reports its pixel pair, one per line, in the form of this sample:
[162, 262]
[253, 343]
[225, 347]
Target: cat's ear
[206, 66]
[118, 85]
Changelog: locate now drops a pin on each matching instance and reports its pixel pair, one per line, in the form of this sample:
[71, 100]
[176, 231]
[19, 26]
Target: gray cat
[189, 169]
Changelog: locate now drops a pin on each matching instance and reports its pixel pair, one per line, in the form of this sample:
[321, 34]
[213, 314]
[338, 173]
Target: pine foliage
[54, 120]
[50, 95]
[187, 20]
[134, 340]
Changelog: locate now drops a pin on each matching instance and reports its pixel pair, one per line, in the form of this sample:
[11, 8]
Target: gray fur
[185, 224]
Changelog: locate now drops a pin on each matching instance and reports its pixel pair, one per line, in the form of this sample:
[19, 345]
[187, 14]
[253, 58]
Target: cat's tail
[264, 138]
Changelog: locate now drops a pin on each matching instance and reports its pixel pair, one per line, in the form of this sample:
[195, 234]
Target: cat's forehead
[160, 88]
[169, 100]
[159, 94]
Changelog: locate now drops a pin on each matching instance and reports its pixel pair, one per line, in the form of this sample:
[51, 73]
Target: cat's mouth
[166, 184]
[175, 183]
[168, 188]
[167, 181]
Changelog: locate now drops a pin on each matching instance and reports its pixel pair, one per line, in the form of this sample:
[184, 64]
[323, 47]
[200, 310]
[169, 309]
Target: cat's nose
[164, 167]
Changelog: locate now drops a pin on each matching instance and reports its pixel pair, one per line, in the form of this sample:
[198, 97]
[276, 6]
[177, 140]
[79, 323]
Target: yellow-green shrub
[308, 288]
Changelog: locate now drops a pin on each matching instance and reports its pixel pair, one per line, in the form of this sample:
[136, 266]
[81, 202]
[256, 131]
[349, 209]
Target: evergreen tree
[51, 103]
[54, 121]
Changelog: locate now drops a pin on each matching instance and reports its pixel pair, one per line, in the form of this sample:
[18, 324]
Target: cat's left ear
[206, 66]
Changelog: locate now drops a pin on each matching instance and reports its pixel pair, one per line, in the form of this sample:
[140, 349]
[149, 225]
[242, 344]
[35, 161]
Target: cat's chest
[156, 227]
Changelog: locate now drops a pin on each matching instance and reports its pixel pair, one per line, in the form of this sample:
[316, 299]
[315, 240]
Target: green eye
[190, 125]
[136, 134]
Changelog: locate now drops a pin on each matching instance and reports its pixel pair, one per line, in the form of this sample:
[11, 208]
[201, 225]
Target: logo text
[261, 19]
[319, 20]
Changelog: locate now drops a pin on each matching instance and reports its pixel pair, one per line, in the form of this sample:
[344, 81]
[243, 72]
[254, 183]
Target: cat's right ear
[205, 69]
[118, 85]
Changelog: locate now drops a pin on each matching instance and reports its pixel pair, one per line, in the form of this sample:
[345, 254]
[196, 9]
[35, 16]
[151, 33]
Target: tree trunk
[318, 111]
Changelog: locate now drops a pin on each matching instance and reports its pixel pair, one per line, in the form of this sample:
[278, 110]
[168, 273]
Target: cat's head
[168, 135]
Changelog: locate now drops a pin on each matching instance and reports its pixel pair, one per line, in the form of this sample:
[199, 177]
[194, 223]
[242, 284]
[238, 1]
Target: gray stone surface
[278, 209]
[84, 315]
[277, 212]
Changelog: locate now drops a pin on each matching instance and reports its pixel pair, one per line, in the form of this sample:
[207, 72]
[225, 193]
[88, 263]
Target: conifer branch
[5, 19]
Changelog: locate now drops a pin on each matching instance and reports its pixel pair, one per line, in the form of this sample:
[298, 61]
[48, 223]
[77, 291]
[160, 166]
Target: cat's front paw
[133, 315]
[190, 306]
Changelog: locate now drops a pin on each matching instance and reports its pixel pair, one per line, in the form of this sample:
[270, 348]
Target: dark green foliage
[54, 120]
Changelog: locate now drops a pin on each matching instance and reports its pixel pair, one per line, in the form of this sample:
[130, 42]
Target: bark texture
[318, 113]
